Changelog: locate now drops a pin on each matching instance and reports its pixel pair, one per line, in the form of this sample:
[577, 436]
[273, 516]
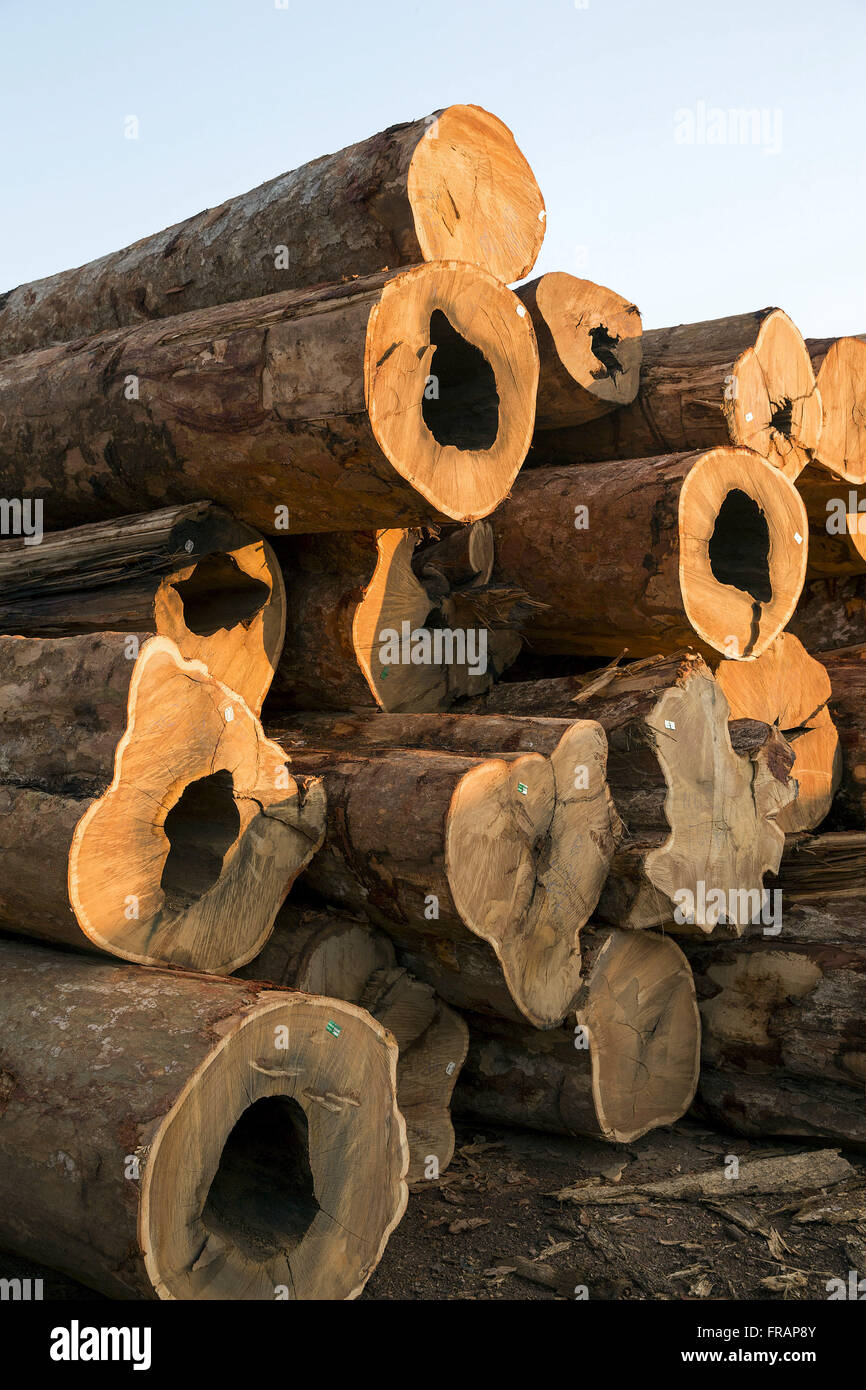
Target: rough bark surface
[165, 1135]
[452, 186]
[301, 411]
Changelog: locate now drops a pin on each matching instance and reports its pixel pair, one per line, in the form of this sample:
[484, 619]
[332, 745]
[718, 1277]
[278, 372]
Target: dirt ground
[493, 1226]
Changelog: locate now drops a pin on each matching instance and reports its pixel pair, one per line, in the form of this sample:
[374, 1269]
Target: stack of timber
[504, 735]
[335, 361]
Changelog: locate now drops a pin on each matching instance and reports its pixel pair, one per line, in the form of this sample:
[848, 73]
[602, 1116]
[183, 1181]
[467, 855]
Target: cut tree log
[784, 1015]
[744, 380]
[349, 595]
[142, 810]
[241, 1142]
[787, 688]
[589, 345]
[837, 526]
[396, 399]
[831, 614]
[332, 954]
[699, 810]
[193, 574]
[846, 672]
[483, 870]
[840, 367]
[624, 1062]
[705, 550]
[453, 186]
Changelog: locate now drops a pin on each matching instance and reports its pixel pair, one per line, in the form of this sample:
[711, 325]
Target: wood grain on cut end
[589, 344]
[624, 1061]
[451, 372]
[743, 550]
[841, 369]
[473, 196]
[787, 688]
[776, 407]
[327, 952]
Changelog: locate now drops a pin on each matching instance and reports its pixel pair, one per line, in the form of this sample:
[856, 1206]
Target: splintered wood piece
[784, 1012]
[324, 952]
[840, 364]
[624, 1062]
[745, 380]
[589, 345]
[483, 870]
[193, 574]
[353, 601]
[452, 186]
[705, 549]
[241, 1142]
[790, 690]
[395, 399]
[142, 810]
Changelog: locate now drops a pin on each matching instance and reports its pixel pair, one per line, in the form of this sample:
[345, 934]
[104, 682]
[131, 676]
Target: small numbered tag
[522, 788]
[669, 724]
[333, 1027]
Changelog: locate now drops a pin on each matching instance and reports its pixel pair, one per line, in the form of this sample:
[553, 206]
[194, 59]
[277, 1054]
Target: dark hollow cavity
[740, 547]
[262, 1198]
[201, 828]
[219, 595]
[460, 406]
[603, 344]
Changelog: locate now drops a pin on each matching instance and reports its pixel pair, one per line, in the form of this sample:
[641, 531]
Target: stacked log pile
[470, 775]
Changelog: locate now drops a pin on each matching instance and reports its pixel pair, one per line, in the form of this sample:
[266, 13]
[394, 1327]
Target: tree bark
[589, 345]
[453, 186]
[831, 614]
[745, 380]
[192, 574]
[343, 957]
[790, 690]
[386, 401]
[214, 1148]
[846, 672]
[483, 870]
[700, 814]
[784, 1020]
[840, 367]
[142, 810]
[623, 1063]
[837, 530]
[704, 550]
[345, 594]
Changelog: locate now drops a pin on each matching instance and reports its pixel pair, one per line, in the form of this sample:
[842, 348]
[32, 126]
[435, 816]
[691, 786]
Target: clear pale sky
[603, 101]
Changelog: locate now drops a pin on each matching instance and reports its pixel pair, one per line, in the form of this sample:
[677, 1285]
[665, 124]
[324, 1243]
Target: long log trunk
[192, 574]
[483, 870]
[241, 1142]
[142, 810]
[624, 1062]
[846, 671]
[332, 954]
[837, 526]
[700, 813]
[453, 186]
[745, 380]
[347, 598]
[387, 401]
[704, 550]
[784, 1014]
[589, 345]
[840, 367]
[790, 690]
